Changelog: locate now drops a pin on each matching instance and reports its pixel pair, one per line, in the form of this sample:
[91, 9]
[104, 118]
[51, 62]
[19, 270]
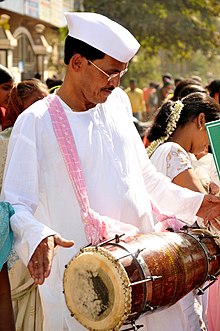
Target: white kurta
[119, 179]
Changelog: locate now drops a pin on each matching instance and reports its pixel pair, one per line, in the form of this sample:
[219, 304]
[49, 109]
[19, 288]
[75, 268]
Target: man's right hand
[40, 263]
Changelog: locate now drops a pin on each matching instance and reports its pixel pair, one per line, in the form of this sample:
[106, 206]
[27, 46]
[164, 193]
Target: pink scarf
[98, 228]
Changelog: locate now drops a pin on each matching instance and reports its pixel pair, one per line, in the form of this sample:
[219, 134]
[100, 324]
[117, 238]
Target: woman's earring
[200, 128]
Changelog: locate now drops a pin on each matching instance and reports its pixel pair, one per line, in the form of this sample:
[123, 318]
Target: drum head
[96, 289]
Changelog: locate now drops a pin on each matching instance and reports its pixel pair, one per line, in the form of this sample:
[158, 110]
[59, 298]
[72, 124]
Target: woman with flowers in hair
[179, 129]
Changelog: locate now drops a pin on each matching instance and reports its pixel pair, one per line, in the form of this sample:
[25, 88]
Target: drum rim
[127, 292]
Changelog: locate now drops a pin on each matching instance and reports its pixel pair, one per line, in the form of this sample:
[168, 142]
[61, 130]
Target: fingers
[40, 263]
[62, 242]
[213, 188]
[210, 207]
[36, 272]
[212, 213]
[210, 198]
[216, 224]
[48, 255]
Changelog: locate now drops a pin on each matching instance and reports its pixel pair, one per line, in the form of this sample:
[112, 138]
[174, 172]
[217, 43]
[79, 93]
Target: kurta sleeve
[169, 197]
[20, 186]
[172, 198]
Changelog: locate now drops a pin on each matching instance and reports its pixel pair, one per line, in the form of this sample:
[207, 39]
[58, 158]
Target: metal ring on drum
[211, 229]
[112, 284]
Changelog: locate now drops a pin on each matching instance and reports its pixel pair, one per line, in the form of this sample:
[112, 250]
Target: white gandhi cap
[103, 34]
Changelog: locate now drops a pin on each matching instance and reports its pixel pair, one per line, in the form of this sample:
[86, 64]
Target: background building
[30, 40]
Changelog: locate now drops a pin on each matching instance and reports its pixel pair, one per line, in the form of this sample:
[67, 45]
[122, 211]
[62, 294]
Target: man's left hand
[210, 210]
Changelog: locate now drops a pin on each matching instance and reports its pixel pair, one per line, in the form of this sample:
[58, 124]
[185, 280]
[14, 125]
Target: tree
[180, 27]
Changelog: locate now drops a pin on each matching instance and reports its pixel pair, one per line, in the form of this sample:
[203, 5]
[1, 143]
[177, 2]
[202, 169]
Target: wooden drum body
[114, 283]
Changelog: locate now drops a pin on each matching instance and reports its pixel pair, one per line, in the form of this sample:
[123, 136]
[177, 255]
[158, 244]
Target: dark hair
[194, 104]
[5, 75]
[19, 94]
[213, 87]
[133, 80]
[177, 80]
[188, 89]
[74, 46]
[53, 84]
[181, 85]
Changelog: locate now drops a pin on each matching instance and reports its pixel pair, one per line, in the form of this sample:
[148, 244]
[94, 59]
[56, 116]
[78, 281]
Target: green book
[213, 130]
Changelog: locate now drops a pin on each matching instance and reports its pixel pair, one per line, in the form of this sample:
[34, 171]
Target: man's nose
[115, 82]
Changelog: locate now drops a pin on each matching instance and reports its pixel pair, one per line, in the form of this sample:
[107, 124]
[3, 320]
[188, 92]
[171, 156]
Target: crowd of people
[75, 172]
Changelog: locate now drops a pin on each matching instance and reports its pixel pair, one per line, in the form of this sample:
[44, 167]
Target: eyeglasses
[112, 76]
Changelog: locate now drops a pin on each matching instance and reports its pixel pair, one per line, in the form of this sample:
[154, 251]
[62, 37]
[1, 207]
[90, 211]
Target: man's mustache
[108, 89]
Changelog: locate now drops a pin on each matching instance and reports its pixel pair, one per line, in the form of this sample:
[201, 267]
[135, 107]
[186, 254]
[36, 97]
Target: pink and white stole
[98, 228]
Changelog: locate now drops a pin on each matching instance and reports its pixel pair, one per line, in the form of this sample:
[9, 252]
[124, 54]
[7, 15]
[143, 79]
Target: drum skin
[138, 275]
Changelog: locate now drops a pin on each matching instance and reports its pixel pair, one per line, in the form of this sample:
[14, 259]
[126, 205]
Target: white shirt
[119, 179]
[171, 159]
[205, 168]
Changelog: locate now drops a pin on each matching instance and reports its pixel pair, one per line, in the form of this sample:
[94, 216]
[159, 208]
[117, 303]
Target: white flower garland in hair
[175, 111]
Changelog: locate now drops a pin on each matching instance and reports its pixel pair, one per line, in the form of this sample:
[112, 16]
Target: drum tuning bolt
[203, 236]
[147, 279]
[134, 254]
[212, 280]
[187, 228]
[116, 238]
[149, 308]
[213, 257]
[134, 327]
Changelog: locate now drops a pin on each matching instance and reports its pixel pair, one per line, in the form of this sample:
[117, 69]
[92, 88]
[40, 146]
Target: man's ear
[77, 61]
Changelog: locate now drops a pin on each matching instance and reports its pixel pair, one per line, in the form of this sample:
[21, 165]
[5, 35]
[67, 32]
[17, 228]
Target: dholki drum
[110, 285]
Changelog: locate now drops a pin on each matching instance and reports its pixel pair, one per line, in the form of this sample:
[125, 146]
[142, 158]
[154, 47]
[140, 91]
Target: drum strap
[97, 227]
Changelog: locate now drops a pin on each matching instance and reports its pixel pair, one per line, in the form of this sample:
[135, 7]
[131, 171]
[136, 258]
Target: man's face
[97, 86]
[132, 85]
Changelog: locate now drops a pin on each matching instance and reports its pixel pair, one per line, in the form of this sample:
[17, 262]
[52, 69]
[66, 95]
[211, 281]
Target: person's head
[37, 76]
[167, 76]
[177, 80]
[6, 84]
[191, 88]
[167, 87]
[53, 84]
[192, 112]
[21, 97]
[214, 89]
[133, 84]
[97, 52]
[152, 85]
[197, 79]
[181, 85]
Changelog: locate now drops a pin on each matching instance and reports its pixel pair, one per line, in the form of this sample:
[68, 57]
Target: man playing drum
[89, 112]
